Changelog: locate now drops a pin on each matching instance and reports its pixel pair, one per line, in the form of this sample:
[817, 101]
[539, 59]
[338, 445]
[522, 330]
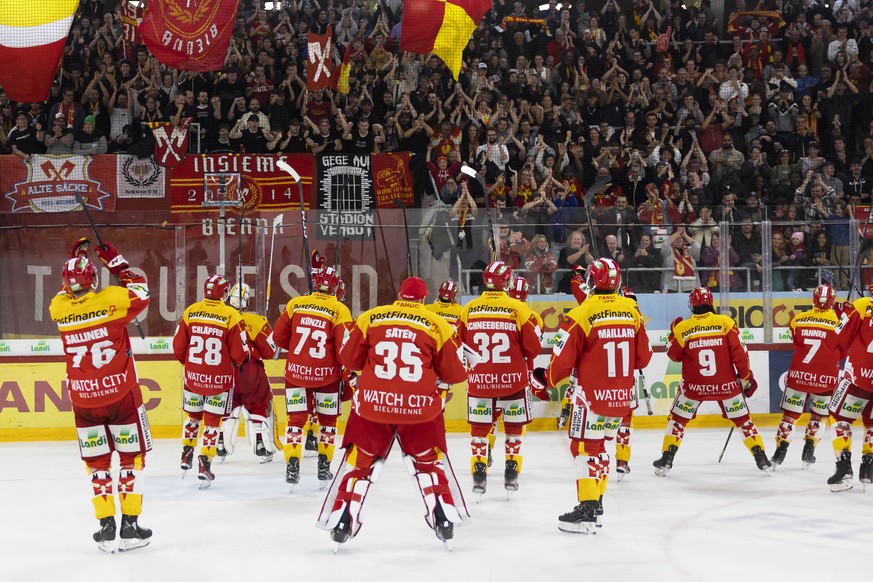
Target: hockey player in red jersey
[103, 386]
[625, 428]
[603, 340]
[401, 351]
[853, 398]
[312, 329]
[580, 289]
[210, 342]
[445, 305]
[251, 388]
[507, 336]
[814, 372]
[715, 368]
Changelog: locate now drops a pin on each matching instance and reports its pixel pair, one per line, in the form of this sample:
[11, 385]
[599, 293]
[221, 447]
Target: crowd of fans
[627, 131]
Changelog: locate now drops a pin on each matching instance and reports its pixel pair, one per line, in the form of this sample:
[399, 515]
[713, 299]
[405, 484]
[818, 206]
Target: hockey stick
[277, 222]
[641, 380]
[239, 266]
[726, 444]
[400, 204]
[81, 201]
[492, 243]
[285, 167]
[588, 200]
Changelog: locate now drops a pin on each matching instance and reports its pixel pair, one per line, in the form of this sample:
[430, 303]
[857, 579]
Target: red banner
[51, 183]
[131, 17]
[319, 60]
[392, 179]
[263, 185]
[171, 142]
[192, 35]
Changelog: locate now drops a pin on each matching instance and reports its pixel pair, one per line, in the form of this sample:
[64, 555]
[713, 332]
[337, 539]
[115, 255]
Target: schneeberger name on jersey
[610, 314]
[83, 317]
[404, 315]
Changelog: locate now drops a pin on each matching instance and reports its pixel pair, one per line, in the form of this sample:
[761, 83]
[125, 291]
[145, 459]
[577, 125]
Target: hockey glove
[80, 248]
[110, 257]
[539, 384]
[844, 309]
[749, 386]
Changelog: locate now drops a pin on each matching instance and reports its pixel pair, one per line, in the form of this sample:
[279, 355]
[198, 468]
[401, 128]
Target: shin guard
[191, 432]
[784, 430]
[842, 437]
[104, 499]
[293, 442]
[326, 437]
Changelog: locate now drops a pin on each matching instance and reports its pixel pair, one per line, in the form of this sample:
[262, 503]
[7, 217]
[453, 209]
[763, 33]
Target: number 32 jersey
[312, 329]
[211, 338]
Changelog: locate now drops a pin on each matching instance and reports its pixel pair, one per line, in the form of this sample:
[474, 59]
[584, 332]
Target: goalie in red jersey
[715, 368]
[103, 385]
[602, 341]
[400, 351]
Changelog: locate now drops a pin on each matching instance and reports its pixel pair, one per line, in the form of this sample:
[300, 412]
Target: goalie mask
[239, 296]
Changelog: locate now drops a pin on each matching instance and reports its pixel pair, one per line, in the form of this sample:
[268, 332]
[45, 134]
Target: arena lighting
[558, 7]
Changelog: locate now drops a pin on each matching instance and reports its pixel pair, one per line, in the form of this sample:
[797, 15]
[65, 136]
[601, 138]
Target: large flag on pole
[341, 77]
[32, 38]
[191, 35]
[131, 17]
[319, 60]
[442, 27]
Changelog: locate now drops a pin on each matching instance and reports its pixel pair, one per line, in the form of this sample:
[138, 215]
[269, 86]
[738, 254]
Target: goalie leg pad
[230, 429]
[426, 468]
[263, 426]
[349, 489]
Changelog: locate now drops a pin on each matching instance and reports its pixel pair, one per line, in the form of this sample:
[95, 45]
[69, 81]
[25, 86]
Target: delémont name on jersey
[706, 342]
[610, 314]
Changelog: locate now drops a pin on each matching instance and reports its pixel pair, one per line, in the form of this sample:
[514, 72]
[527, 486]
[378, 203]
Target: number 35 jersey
[507, 336]
[211, 338]
[312, 329]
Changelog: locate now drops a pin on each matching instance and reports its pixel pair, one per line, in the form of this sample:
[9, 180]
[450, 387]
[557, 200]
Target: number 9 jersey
[312, 329]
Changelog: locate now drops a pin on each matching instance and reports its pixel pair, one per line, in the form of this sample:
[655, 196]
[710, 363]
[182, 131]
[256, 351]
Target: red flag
[32, 37]
[131, 17]
[341, 77]
[442, 27]
[171, 142]
[319, 60]
[191, 35]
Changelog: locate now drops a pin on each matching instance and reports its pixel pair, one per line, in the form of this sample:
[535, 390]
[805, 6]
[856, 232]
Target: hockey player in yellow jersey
[312, 329]
[251, 388]
[506, 335]
[445, 306]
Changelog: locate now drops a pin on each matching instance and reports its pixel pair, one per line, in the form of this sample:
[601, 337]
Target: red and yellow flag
[442, 27]
[32, 37]
[341, 77]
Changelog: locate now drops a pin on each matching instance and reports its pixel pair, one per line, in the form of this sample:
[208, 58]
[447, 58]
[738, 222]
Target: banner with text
[51, 183]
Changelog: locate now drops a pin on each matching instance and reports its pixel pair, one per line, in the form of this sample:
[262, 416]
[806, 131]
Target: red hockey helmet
[824, 297]
[497, 276]
[448, 291]
[216, 287]
[700, 297]
[79, 274]
[520, 289]
[326, 281]
[604, 274]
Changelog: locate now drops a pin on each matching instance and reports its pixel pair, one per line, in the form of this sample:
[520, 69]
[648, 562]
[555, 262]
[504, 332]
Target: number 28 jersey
[312, 329]
[210, 339]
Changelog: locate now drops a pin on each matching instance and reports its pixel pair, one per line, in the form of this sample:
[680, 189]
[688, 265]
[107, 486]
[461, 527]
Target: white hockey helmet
[239, 296]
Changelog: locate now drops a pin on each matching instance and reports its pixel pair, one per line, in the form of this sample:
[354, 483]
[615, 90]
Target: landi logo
[513, 411]
[735, 406]
[785, 335]
[93, 441]
[663, 338]
[746, 335]
[40, 347]
[481, 409]
[126, 438]
[5, 348]
[159, 344]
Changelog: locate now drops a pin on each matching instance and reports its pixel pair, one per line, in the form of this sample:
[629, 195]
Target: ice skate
[510, 478]
[598, 513]
[342, 530]
[780, 453]
[261, 451]
[865, 473]
[761, 460]
[564, 416]
[292, 471]
[665, 463]
[582, 520]
[187, 459]
[444, 529]
[622, 469]
[219, 448]
[324, 474]
[105, 536]
[841, 480]
[310, 446]
[808, 454]
[132, 535]
[480, 479]
[205, 474]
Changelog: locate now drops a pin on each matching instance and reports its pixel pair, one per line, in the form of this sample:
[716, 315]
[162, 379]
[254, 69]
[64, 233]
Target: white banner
[140, 177]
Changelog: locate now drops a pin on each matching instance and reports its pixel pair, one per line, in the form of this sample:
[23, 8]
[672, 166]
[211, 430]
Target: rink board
[34, 404]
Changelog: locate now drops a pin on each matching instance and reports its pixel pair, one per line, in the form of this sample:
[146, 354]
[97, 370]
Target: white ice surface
[704, 522]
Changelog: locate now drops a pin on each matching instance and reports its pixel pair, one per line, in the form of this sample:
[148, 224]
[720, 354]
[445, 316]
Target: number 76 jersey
[312, 329]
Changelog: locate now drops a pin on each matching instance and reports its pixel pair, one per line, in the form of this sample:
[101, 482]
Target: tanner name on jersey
[105, 385]
[394, 403]
[806, 332]
[86, 336]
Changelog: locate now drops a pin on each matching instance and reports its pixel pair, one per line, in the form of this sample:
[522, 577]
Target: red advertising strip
[50, 183]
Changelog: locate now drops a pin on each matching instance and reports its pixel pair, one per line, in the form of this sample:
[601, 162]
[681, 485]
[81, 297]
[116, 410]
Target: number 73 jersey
[312, 328]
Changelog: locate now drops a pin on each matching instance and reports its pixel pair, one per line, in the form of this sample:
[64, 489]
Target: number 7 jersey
[312, 329]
